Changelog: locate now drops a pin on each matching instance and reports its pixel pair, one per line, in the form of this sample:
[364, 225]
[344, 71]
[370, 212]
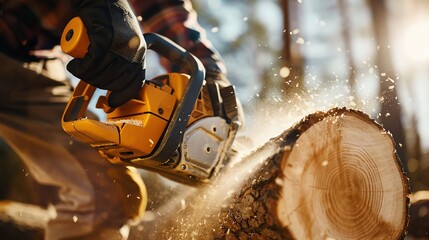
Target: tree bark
[332, 175]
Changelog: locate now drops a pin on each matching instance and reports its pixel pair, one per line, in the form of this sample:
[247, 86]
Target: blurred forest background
[292, 57]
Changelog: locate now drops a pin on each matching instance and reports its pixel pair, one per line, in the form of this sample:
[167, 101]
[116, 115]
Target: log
[333, 175]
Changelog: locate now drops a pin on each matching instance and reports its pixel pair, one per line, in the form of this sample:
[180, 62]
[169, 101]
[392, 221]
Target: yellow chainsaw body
[177, 126]
[134, 128]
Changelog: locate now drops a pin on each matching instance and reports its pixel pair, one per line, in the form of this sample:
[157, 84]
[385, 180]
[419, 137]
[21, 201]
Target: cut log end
[342, 180]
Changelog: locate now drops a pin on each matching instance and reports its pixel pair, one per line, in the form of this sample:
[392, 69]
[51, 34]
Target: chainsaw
[179, 126]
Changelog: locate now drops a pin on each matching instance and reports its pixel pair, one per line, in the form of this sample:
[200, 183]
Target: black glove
[115, 59]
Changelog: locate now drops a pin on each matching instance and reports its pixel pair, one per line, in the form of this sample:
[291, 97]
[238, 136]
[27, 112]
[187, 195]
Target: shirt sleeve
[177, 20]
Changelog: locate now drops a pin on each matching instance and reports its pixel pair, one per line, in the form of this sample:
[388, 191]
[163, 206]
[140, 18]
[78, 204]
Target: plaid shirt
[36, 24]
[177, 20]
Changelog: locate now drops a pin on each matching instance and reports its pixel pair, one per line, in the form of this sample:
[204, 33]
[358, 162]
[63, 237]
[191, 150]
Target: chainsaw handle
[178, 123]
[166, 48]
[74, 39]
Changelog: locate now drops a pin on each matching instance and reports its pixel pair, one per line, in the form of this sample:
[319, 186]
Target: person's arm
[177, 20]
[116, 54]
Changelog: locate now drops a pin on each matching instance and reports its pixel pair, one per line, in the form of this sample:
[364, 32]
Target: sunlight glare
[416, 37]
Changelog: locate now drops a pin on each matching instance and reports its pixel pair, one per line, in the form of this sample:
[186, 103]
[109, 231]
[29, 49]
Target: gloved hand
[115, 59]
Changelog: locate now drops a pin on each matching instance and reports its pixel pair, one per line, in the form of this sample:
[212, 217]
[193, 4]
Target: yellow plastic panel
[178, 82]
[143, 139]
[95, 132]
[151, 100]
[142, 121]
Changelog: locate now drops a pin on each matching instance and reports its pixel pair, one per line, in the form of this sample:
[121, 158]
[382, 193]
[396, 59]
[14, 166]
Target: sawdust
[135, 122]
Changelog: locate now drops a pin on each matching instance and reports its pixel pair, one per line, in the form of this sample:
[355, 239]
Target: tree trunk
[291, 56]
[333, 175]
[390, 108]
[347, 38]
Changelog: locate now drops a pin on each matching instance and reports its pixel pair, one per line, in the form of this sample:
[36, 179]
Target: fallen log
[333, 175]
